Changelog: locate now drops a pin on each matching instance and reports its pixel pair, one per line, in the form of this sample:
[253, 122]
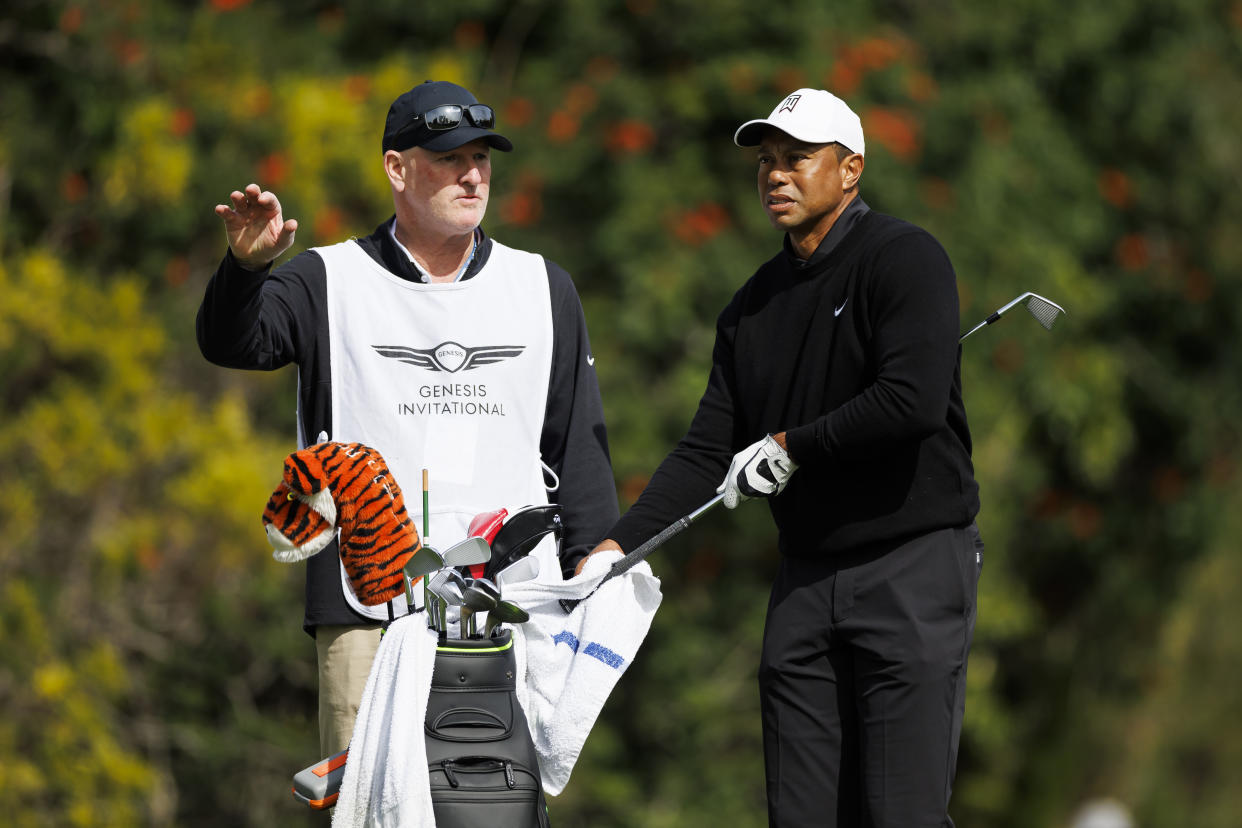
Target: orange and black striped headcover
[347, 486]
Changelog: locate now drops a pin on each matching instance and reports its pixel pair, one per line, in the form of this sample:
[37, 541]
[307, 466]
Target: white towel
[386, 783]
[568, 664]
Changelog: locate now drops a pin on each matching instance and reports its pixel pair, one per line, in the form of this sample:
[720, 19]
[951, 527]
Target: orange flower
[274, 170]
[701, 224]
[581, 98]
[742, 77]
[469, 34]
[562, 127]
[894, 129]
[1114, 186]
[328, 223]
[789, 78]
[73, 187]
[177, 271]
[228, 5]
[921, 87]
[844, 77]
[938, 193]
[523, 208]
[71, 19]
[1131, 252]
[182, 122]
[357, 88]
[518, 112]
[629, 137]
[127, 50]
[602, 69]
[878, 52]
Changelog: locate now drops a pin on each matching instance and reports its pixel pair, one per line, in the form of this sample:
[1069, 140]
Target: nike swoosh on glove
[759, 470]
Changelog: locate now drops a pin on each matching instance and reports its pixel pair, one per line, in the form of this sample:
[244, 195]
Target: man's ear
[395, 165]
[851, 171]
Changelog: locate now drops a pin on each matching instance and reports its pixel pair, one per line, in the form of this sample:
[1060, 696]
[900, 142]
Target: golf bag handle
[633, 558]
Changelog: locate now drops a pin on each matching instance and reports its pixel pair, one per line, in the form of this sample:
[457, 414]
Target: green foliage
[154, 670]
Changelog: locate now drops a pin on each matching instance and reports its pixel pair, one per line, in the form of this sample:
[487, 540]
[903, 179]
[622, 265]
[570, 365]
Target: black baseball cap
[404, 127]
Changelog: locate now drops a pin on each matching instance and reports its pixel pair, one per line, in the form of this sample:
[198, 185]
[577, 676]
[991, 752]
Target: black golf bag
[480, 757]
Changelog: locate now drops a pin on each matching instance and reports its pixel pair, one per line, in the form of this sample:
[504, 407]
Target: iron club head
[523, 569]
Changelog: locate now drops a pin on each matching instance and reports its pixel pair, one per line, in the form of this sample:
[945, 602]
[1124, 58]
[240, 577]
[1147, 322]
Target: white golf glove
[759, 470]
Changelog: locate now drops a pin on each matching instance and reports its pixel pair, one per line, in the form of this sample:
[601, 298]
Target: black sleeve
[265, 319]
[574, 443]
[689, 475]
[914, 345]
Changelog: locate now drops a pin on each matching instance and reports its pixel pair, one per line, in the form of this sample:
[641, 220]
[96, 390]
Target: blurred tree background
[152, 666]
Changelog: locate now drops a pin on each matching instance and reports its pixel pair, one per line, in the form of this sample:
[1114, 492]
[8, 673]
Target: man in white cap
[432, 343]
[839, 360]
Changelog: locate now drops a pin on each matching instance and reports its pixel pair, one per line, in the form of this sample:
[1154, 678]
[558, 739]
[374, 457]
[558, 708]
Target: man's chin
[468, 218]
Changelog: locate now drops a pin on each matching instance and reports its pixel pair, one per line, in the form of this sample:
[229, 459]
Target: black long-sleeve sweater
[854, 354]
[269, 319]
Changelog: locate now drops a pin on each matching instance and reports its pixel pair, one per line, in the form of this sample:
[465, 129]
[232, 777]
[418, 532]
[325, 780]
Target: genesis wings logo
[450, 356]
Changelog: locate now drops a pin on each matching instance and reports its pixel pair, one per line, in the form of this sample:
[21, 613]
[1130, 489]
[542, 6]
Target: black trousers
[863, 683]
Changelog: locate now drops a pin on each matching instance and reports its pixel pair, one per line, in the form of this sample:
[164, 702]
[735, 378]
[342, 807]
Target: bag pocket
[484, 792]
[478, 716]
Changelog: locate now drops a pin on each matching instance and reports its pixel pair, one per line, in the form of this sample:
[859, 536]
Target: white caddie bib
[451, 378]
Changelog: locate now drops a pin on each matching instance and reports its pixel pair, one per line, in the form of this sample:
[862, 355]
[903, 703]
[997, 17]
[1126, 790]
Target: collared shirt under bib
[451, 378]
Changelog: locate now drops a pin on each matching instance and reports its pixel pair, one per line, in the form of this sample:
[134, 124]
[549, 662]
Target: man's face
[800, 185]
[447, 191]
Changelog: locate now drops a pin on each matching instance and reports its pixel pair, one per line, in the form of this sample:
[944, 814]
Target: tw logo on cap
[789, 103]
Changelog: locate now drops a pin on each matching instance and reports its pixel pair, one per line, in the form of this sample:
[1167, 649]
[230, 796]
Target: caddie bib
[451, 378]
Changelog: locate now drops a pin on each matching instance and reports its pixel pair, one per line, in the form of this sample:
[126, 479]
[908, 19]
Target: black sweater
[855, 355]
[267, 320]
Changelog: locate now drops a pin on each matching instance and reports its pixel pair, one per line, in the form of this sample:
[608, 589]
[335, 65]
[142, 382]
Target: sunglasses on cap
[449, 116]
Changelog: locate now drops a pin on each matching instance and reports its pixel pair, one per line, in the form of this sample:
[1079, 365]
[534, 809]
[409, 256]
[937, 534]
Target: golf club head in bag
[485, 525]
[523, 569]
[522, 533]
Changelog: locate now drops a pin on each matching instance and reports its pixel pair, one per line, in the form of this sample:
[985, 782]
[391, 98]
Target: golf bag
[480, 757]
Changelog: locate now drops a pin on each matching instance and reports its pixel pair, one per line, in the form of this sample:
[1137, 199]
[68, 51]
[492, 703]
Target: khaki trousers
[345, 656]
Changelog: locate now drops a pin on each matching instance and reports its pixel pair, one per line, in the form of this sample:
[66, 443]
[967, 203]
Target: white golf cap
[815, 116]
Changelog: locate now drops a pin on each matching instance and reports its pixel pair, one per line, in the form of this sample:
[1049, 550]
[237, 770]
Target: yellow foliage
[115, 485]
[52, 681]
[150, 163]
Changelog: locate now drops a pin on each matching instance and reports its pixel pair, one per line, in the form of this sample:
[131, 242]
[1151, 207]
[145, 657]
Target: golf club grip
[630, 561]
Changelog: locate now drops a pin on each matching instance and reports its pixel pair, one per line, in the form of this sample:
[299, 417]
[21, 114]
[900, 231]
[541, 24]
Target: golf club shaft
[995, 315]
[632, 559]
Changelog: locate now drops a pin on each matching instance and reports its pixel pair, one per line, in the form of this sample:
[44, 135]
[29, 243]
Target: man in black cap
[434, 344]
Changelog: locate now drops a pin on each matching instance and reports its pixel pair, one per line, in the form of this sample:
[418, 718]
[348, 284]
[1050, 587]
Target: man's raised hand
[256, 230]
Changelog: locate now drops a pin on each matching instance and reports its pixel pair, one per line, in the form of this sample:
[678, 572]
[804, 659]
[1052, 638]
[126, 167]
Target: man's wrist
[250, 267]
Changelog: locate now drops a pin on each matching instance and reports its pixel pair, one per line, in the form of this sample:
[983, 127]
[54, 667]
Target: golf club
[427, 598]
[425, 561]
[521, 533]
[505, 612]
[1044, 310]
[629, 561]
[447, 587]
[480, 595]
[485, 525]
[523, 569]
[467, 553]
